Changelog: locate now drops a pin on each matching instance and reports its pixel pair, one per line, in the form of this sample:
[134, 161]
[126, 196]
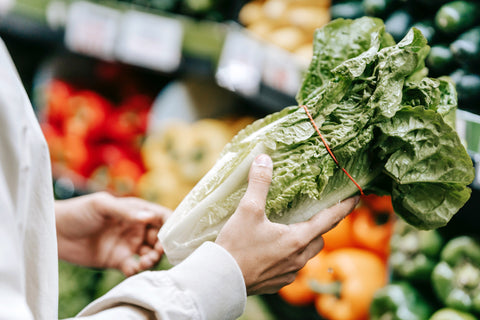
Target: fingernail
[144, 214]
[357, 199]
[263, 160]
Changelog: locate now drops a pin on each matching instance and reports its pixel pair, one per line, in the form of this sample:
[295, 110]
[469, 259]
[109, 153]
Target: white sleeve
[208, 285]
[13, 303]
[12, 287]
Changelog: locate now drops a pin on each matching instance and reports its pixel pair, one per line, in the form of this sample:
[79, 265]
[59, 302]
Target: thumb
[259, 179]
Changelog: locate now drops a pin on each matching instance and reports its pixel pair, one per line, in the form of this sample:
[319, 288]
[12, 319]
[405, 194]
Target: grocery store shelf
[164, 43]
[25, 28]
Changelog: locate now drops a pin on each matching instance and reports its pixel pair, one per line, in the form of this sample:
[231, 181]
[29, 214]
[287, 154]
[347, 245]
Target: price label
[91, 29]
[476, 160]
[150, 41]
[468, 128]
[461, 126]
[240, 65]
[281, 71]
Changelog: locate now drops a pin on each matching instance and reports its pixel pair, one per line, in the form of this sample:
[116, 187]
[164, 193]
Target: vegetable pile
[439, 277]
[452, 28]
[389, 126]
[340, 282]
[93, 140]
[178, 154]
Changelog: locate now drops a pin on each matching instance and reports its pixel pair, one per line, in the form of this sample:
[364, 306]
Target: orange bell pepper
[378, 203]
[341, 236]
[346, 283]
[372, 230]
[299, 293]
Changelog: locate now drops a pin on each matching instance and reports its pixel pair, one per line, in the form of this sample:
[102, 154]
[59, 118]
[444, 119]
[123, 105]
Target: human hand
[100, 230]
[270, 254]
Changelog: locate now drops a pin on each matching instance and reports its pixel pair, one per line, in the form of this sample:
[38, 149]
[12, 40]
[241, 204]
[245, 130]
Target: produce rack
[222, 50]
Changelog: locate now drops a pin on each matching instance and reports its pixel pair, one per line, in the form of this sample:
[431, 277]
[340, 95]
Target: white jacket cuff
[207, 285]
[213, 274]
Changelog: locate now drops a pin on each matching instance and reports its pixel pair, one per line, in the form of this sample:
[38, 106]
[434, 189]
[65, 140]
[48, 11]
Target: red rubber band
[329, 150]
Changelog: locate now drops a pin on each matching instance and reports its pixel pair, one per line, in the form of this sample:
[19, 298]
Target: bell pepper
[79, 156]
[346, 283]
[89, 112]
[55, 142]
[414, 252]
[341, 236]
[456, 278]
[57, 94]
[399, 301]
[451, 314]
[299, 293]
[378, 203]
[372, 230]
[127, 123]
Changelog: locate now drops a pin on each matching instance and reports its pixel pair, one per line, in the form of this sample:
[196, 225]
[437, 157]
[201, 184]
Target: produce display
[399, 300]
[456, 277]
[180, 153]
[390, 127]
[340, 282]
[414, 252]
[443, 282]
[452, 28]
[286, 23]
[93, 140]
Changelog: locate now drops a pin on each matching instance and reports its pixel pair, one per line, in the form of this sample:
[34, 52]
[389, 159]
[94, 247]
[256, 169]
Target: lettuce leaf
[388, 124]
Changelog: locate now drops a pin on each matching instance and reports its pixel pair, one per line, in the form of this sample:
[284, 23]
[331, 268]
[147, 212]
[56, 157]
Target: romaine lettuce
[389, 126]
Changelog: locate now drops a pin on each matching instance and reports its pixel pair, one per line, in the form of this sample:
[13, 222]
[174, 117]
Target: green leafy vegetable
[389, 126]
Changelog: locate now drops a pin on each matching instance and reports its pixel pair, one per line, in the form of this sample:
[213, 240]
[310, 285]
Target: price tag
[150, 41]
[240, 63]
[461, 126]
[468, 128]
[281, 71]
[91, 29]
[476, 163]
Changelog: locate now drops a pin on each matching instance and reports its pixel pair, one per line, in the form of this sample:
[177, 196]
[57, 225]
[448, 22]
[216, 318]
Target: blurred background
[138, 97]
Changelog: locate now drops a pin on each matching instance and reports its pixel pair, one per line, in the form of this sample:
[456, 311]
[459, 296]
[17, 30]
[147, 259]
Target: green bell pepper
[414, 252]
[451, 314]
[399, 301]
[456, 278]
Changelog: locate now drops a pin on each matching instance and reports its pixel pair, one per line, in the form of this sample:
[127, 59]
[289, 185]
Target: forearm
[61, 221]
[71, 245]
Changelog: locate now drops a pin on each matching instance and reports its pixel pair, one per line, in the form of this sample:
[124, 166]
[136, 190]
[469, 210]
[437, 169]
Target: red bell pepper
[128, 122]
[89, 112]
[57, 96]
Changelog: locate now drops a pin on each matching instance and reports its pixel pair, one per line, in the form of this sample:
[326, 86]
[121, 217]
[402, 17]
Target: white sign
[150, 41]
[281, 72]
[240, 65]
[91, 29]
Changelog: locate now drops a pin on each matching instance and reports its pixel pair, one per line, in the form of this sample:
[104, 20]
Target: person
[251, 255]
